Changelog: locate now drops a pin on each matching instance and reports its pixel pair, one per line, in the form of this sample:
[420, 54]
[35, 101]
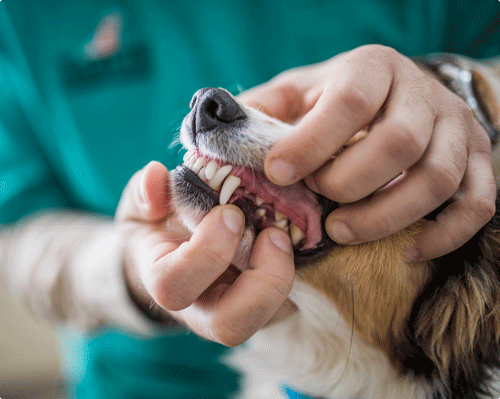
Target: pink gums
[295, 201]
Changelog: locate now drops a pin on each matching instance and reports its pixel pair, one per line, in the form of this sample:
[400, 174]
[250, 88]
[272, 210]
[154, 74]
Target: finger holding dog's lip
[410, 197]
[346, 103]
[395, 142]
[470, 209]
[176, 279]
[236, 308]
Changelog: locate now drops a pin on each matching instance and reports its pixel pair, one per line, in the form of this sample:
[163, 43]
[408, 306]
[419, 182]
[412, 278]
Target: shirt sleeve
[63, 266]
[67, 267]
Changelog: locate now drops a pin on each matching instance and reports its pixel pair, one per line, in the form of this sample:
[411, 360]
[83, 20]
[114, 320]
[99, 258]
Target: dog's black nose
[214, 108]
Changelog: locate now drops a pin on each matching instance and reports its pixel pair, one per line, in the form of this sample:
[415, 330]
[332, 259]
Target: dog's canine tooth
[259, 201]
[212, 167]
[282, 223]
[200, 163]
[296, 234]
[230, 184]
[216, 181]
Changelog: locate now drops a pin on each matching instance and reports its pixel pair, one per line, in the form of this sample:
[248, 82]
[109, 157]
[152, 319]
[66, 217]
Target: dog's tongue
[295, 201]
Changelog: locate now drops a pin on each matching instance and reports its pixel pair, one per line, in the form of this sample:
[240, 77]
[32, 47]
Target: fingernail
[233, 220]
[340, 233]
[142, 191]
[281, 171]
[281, 240]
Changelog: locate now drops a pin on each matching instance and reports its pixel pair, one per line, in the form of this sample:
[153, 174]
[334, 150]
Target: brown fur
[375, 282]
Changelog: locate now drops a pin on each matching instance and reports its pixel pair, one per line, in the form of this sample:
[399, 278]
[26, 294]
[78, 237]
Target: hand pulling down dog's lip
[189, 276]
[417, 126]
[423, 139]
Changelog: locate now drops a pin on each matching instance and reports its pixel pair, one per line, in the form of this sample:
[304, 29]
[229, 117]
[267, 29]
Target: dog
[370, 324]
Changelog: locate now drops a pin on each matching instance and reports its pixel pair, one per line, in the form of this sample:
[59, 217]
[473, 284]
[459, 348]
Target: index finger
[346, 105]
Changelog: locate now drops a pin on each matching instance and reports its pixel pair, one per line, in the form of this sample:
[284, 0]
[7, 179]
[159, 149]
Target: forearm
[67, 267]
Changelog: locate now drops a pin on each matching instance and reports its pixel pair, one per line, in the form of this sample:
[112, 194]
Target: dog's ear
[456, 320]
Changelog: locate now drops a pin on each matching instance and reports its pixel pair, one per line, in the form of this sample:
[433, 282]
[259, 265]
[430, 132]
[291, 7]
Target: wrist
[143, 301]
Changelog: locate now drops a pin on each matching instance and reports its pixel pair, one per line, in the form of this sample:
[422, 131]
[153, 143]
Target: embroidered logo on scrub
[106, 58]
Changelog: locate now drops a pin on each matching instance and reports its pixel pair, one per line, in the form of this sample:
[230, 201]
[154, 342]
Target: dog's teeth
[296, 234]
[216, 181]
[202, 173]
[200, 163]
[212, 167]
[186, 157]
[259, 201]
[261, 212]
[282, 223]
[191, 161]
[230, 184]
[278, 216]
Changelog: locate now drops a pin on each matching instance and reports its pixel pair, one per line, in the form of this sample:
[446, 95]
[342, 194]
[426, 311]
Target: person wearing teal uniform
[91, 91]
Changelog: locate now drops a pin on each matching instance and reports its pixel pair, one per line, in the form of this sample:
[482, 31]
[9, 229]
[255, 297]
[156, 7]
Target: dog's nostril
[211, 108]
[215, 108]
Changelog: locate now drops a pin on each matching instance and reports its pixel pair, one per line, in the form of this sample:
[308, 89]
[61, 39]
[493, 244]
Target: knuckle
[406, 143]
[280, 283]
[484, 209]
[355, 99]
[229, 333]
[338, 189]
[166, 293]
[217, 257]
[444, 179]
[385, 225]
[464, 111]
[452, 242]
[378, 50]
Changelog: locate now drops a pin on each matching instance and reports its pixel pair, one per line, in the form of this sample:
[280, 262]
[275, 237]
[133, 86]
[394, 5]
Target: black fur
[478, 259]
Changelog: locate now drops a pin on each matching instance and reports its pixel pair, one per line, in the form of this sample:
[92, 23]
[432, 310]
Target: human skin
[424, 147]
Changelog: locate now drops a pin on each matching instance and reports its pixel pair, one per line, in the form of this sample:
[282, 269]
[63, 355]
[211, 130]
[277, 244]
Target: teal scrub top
[73, 130]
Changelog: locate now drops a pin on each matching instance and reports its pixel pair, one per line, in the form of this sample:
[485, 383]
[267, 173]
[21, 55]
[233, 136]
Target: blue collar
[291, 394]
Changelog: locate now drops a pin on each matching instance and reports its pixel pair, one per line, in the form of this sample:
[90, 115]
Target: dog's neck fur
[318, 353]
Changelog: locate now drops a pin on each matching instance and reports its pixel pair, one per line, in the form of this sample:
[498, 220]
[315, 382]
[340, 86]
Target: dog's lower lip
[249, 207]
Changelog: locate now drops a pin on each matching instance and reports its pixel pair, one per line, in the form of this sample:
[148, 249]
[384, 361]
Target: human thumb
[147, 196]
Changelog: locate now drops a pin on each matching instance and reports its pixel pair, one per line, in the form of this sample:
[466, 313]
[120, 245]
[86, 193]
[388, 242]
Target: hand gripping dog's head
[370, 323]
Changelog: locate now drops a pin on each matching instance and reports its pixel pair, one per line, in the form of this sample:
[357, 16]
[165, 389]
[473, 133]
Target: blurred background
[29, 356]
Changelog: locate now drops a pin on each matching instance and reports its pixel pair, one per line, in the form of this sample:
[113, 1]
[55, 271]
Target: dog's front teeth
[189, 159]
[278, 216]
[261, 212]
[200, 163]
[230, 184]
[282, 223]
[259, 201]
[202, 174]
[216, 181]
[296, 234]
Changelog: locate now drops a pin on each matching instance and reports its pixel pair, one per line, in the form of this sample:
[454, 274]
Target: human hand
[424, 148]
[189, 276]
